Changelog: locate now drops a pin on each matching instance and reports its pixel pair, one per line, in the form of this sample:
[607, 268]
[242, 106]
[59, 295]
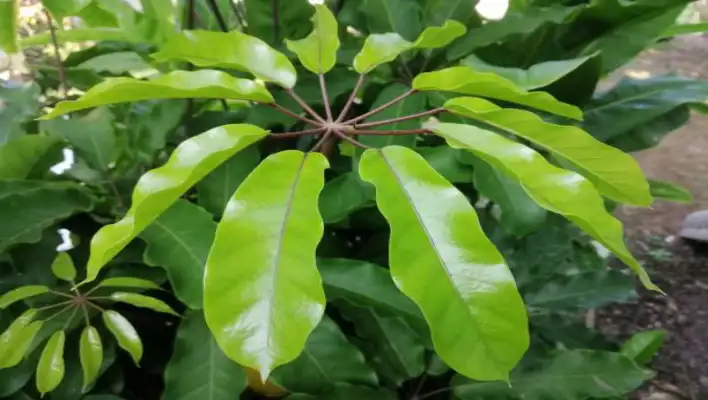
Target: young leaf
[9, 11]
[19, 156]
[20, 345]
[140, 300]
[614, 173]
[21, 293]
[179, 241]
[128, 282]
[63, 267]
[269, 232]
[90, 354]
[436, 37]
[442, 260]
[230, 50]
[318, 51]
[465, 80]
[669, 192]
[557, 190]
[50, 370]
[642, 346]
[13, 333]
[205, 84]
[158, 189]
[215, 190]
[198, 369]
[125, 334]
[592, 289]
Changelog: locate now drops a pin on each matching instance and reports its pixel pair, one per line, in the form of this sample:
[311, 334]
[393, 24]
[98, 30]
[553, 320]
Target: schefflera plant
[263, 294]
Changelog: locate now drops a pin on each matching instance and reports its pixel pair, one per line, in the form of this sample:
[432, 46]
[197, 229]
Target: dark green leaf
[642, 346]
[118, 63]
[125, 334]
[400, 16]
[348, 392]
[344, 195]
[50, 370]
[669, 192]
[444, 160]
[436, 12]
[318, 51]
[215, 190]
[21, 293]
[410, 105]
[90, 354]
[19, 156]
[274, 20]
[63, 267]
[583, 291]
[19, 103]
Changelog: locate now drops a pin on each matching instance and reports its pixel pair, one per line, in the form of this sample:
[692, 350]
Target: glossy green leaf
[273, 21]
[398, 16]
[179, 241]
[583, 291]
[63, 267]
[207, 84]
[343, 196]
[437, 246]
[578, 374]
[9, 10]
[262, 312]
[77, 35]
[537, 76]
[215, 190]
[669, 192]
[230, 50]
[13, 334]
[650, 134]
[410, 105]
[90, 354]
[21, 293]
[327, 358]
[348, 392]
[437, 12]
[557, 190]
[444, 160]
[125, 334]
[436, 37]
[198, 369]
[12, 380]
[64, 8]
[50, 370]
[615, 174]
[128, 282]
[318, 51]
[20, 345]
[642, 346]
[158, 189]
[140, 300]
[465, 80]
[19, 156]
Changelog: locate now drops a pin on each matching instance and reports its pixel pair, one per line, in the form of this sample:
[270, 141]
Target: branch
[217, 14]
[391, 132]
[304, 105]
[276, 22]
[325, 98]
[434, 111]
[351, 140]
[289, 113]
[325, 138]
[350, 101]
[380, 108]
[57, 57]
[288, 135]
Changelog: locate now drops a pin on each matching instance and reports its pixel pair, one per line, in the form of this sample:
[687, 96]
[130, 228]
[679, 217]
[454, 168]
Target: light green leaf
[436, 37]
[615, 174]
[328, 358]
[14, 334]
[215, 190]
[21, 293]
[437, 246]
[686, 29]
[557, 190]
[20, 345]
[9, 10]
[140, 300]
[128, 282]
[63, 267]
[90, 354]
[343, 196]
[318, 51]
[198, 369]
[536, 76]
[437, 12]
[179, 241]
[465, 80]
[669, 192]
[158, 189]
[583, 291]
[348, 392]
[77, 35]
[125, 334]
[64, 8]
[50, 370]
[642, 346]
[274, 20]
[19, 156]
[230, 50]
[399, 16]
[207, 84]
[379, 49]
[410, 105]
[271, 233]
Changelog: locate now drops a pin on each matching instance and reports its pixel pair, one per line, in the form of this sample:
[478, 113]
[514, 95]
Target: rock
[695, 226]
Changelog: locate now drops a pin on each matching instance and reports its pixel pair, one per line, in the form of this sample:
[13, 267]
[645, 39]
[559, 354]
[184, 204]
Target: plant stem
[217, 14]
[63, 303]
[57, 57]
[239, 18]
[61, 294]
[86, 316]
[320, 142]
[351, 99]
[380, 108]
[325, 97]
[304, 105]
[400, 119]
[289, 113]
[73, 314]
[350, 139]
[288, 135]
[95, 306]
[51, 317]
[391, 132]
[433, 393]
[276, 22]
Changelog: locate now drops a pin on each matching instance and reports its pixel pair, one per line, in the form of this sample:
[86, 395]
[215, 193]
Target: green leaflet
[9, 10]
[128, 282]
[125, 334]
[19, 156]
[215, 190]
[614, 173]
[20, 103]
[342, 196]
[207, 84]
[158, 189]
[230, 50]
[20, 345]
[669, 192]
[140, 300]
[557, 190]
[410, 105]
[436, 37]
[64, 8]
[21, 293]
[274, 20]
[90, 354]
[179, 241]
[118, 63]
[13, 334]
[587, 290]
[50, 370]
[327, 358]
[63, 267]
[198, 368]
[642, 346]
[263, 295]
[399, 16]
[444, 159]
[465, 80]
[318, 51]
[441, 259]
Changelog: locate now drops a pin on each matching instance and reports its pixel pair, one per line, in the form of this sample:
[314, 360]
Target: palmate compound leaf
[555, 189]
[614, 173]
[205, 84]
[50, 370]
[158, 189]
[318, 51]
[263, 295]
[441, 259]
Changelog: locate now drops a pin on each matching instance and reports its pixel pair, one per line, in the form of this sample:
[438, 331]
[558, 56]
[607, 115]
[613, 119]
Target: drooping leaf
[348, 392]
[271, 233]
[436, 12]
[436, 37]
[399, 16]
[276, 20]
[327, 358]
[13, 333]
[215, 190]
[125, 334]
[50, 370]
[615, 174]
[90, 354]
[669, 192]
[342, 196]
[9, 10]
[19, 156]
[583, 291]
[557, 190]
[650, 134]
[642, 346]
[140, 300]
[465, 80]
[20, 345]
[20, 103]
[205, 83]
[435, 241]
[21, 293]
[410, 105]
[198, 369]
[63, 267]
[230, 50]
[318, 51]
[128, 282]
[158, 189]
[64, 8]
